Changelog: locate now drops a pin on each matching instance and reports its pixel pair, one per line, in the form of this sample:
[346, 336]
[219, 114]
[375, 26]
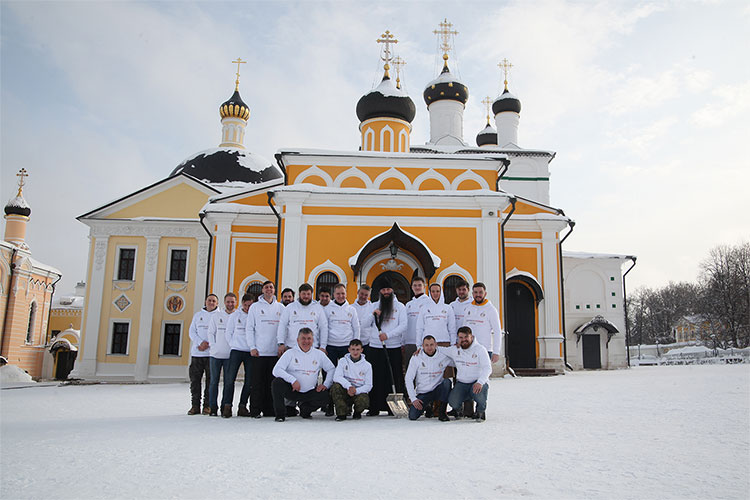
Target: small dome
[227, 165]
[488, 135]
[17, 206]
[386, 101]
[506, 102]
[235, 107]
[446, 86]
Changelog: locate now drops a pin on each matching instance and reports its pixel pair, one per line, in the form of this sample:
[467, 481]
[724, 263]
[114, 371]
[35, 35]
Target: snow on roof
[590, 255]
[312, 188]
[506, 95]
[245, 158]
[435, 259]
[437, 153]
[445, 77]
[17, 201]
[67, 302]
[235, 208]
[691, 349]
[44, 267]
[388, 89]
[489, 129]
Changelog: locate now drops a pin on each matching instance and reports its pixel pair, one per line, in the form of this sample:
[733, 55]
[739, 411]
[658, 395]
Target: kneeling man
[473, 372]
[296, 379]
[352, 383]
[424, 380]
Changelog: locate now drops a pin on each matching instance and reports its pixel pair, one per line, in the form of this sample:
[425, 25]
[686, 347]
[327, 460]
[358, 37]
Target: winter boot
[441, 412]
[242, 411]
[226, 411]
[214, 412]
[206, 410]
[194, 410]
[340, 418]
[479, 416]
[357, 415]
[291, 411]
[468, 408]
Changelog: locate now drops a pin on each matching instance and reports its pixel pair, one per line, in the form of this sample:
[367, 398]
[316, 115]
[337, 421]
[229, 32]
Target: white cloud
[727, 102]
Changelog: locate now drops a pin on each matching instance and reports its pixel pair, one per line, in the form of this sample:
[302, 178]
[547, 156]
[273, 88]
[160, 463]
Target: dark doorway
[325, 280]
[65, 361]
[449, 287]
[521, 326]
[401, 286]
[592, 354]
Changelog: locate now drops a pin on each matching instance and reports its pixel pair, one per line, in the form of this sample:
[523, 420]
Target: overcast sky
[645, 103]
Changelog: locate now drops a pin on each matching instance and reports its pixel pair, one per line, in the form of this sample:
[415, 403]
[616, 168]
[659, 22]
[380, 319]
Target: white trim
[112, 322]
[326, 266]
[163, 333]
[435, 259]
[451, 270]
[314, 170]
[515, 272]
[469, 175]
[431, 174]
[170, 248]
[256, 277]
[353, 172]
[392, 173]
[382, 138]
[118, 255]
[368, 139]
[403, 140]
[383, 254]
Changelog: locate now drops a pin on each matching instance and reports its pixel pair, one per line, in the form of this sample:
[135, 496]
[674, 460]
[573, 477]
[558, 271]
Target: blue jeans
[237, 358]
[439, 393]
[217, 365]
[463, 392]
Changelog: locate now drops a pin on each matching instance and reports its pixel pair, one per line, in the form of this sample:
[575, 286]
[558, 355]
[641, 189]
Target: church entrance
[401, 286]
[521, 326]
[592, 355]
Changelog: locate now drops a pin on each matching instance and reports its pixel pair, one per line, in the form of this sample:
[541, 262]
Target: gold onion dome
[235, 107]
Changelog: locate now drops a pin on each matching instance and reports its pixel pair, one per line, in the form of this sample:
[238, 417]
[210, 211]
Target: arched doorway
[399, 282]
[327, 280]
[255, 288]
[521, 325]
[449, 287]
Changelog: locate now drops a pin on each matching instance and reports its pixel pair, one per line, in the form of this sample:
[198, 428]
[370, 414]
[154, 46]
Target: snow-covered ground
[648, 432]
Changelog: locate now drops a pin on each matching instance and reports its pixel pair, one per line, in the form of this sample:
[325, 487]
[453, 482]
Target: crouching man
[424, 380]
[296, 379]
[473, 369]
[352, 381]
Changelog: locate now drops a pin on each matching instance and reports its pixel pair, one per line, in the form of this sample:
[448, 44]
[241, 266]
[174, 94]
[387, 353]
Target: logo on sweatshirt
[315, 362]
[482, 315]
[262, 311]
[296, 360]
[474, 355]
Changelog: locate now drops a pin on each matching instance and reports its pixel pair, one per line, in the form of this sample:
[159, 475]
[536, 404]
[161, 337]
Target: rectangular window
[172, 334]
[120, 338]
[126, 266]
[178, 265]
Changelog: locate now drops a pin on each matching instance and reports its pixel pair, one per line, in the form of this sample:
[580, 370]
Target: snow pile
[12, 374]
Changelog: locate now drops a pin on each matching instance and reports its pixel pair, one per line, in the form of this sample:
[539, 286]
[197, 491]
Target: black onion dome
[226, 165]
[506, 102]
[386, 101]
[17, 206]
[445, 86]
[235, 107]
[488, 135]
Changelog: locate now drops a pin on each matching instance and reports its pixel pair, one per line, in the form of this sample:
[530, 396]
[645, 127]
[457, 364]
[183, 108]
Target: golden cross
[398, 63]
[237, 82]
[445, 32]
[21, 183]
[505, 65]
[387, 39]
[487, 101]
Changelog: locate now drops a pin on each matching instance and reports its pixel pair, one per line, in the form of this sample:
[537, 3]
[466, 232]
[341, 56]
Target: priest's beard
[386, 307]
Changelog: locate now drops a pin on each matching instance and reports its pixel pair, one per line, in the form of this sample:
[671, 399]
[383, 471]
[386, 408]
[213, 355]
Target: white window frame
[116, 270]
[169, 263]
[163, 333]
[112, 322]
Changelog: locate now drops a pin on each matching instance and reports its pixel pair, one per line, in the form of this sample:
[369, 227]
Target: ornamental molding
[100, 252]
[127, 285]
[152, 251]
[147, 229]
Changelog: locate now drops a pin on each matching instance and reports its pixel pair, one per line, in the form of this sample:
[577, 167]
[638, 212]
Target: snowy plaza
[646, 432]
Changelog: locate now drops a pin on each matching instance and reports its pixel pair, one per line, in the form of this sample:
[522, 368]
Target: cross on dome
[21, 182]
[387, 39]
[505, 65]
[398, 63]
[444, 36]
[237, 82]
[487, 101]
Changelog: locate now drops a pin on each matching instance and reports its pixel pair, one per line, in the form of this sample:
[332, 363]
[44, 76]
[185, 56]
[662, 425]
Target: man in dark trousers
[260, 332]
[199, 355]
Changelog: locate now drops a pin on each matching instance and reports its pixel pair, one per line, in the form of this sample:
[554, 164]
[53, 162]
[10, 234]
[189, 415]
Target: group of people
[343, 357]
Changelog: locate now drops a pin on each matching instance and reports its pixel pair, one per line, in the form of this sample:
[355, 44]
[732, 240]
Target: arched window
[255, 288]
[32, 319]
[325, 279]
[449, 287]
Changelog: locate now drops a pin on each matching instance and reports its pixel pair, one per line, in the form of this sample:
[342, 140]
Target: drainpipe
[282, 167]
[278, 232]
[625, 304]
[505, 286]
[7, 301]
[571, 224]
[49, 312]
[202, 215]
[506, 164]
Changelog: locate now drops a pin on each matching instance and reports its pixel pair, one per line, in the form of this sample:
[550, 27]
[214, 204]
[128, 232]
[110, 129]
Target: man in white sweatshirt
[302, 313]
[473, 369]
[461, 303]
[484, 321]
[261, 330]
[424, 380]
[219, 349]
[363, 306]
[238, 355]
[199, 356]
[352, 382]
[437, 319]
[410, 340]
[296, 379]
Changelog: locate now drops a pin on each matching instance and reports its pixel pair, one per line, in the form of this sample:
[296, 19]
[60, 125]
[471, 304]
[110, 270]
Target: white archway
[431, 174]
[353, 172]
[391, 134]
[327, 266]
[314, 170]
[454, 269]
[392, 173]
[256, 277]
[469, 175]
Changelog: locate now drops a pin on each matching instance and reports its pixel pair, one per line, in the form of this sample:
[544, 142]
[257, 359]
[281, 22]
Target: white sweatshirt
[295, 364]
[236, 331]
[412, 314]
[472, 364]
[437, 320]
[343, 325]
[262, 326]
[350, 373]
[485, 325]
[394, 326]
[425, 372]
[459, 310]
[367, 328]
[217, 338]
[296, 316]
[198, 332]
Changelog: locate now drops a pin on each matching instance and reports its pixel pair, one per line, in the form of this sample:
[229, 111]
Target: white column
[292, 270]
[507, 128]
[550, 338]
[200, 274]
[145, 331]
[488, 240]
[85, 365]
[446, 123]
[221, 252]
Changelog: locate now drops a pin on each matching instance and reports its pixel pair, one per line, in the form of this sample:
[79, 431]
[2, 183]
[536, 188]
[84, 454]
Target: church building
[227, 220]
